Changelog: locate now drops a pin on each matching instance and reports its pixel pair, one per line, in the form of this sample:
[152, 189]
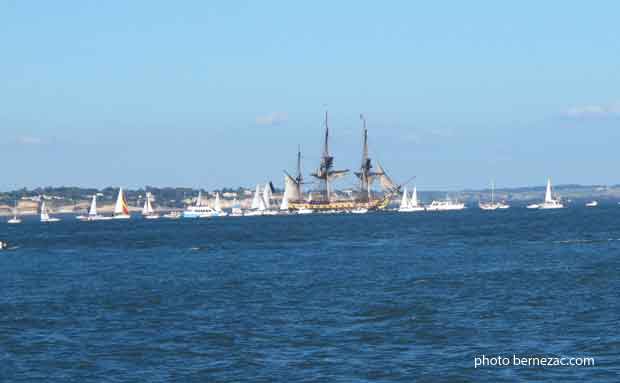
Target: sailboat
[413, 202]
[15, 220]
[147, 211]
[217, 207]
[45, 216]
[121, 210]
[284, 203]
[92, 212]
[492, 205]
[550, 202]
[258, 205]
[199, 210]
[267, 201]
[409, 205]
[404, 202]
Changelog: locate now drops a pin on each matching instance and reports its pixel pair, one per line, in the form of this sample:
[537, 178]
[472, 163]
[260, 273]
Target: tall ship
[324, 197]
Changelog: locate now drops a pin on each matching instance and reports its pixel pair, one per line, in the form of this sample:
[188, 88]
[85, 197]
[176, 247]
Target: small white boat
[148, 212]
[359, 210]
[592, 204]
[121, 209]
[3, 245]
[15, 220]
[236, 209]
[173, 215]
[533, 206]
[446, 205]
[45, 216]
[305, 211]
[199, 210]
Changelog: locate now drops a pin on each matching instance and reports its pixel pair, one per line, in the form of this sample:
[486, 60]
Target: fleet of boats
[262, 204]
[322, 199]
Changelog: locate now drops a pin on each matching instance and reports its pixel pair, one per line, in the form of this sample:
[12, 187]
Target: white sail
[404, 203]
[93, 206]
[199, 198]
[217, 205]
[548, 196]
[44, 214]
[284, 204]
[413, 202]
[261, 204]
[256, 199]
[148, 206]
[291, 189]
[267, 196]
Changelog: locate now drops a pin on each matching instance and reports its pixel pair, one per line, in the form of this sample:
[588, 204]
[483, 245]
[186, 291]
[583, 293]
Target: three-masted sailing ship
[325, 199]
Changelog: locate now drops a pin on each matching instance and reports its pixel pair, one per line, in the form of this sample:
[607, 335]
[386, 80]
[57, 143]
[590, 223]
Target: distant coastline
[76, 200]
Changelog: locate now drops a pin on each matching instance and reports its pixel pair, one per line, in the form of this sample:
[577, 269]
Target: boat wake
[572, 241]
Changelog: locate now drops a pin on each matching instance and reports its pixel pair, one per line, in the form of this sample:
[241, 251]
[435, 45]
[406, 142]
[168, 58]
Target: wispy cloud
[594, 111]
[272, 119]
[29, 140]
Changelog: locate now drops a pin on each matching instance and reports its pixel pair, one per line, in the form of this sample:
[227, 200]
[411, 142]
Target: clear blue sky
[212, 94]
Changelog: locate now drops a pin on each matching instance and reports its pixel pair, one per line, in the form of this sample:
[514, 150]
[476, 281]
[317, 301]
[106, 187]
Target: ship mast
[325, 174]
[364, 173]
[299, 177]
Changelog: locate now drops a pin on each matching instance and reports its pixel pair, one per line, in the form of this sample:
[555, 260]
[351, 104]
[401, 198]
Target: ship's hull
[338, 206]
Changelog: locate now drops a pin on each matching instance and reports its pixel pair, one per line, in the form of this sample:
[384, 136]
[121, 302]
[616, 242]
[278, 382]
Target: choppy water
[381, 297]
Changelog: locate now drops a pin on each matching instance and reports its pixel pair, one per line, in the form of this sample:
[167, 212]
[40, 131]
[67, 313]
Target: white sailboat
[258, 204]
[550, 202]
[410, 205]
[256, 198]
[217, 207]
[413, 202]
[404, 202]
[121, 209]
[284, 204]
[199, 210]
[45, 216]
[592, 204]
[15, 220]
[492, 205]
[148, 212]
[267, 197]
[92, 212]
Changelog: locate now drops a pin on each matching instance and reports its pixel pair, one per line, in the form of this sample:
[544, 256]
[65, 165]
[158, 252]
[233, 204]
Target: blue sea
[382, 297]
